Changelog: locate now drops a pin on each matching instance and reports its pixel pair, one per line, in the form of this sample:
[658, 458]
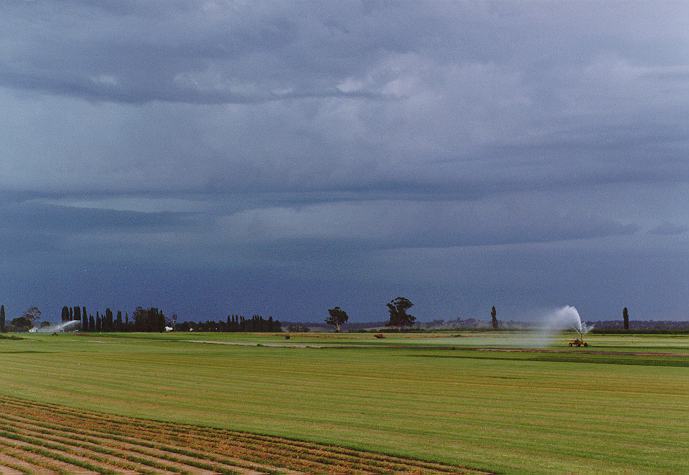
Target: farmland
[421, 402]
[37, 436]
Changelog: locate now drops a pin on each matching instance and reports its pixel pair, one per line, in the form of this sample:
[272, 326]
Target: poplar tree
[108, 320]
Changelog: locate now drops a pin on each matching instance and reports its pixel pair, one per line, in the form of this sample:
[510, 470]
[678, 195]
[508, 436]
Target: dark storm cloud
[197, 53]
[46, 234]
[315, 96]
[315, 151]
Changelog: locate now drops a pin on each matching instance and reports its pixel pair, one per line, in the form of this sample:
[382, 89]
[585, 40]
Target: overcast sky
[215, 157]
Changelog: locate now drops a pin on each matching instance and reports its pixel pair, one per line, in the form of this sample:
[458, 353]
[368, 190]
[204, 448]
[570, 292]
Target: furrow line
[99, 438]
[247, 446]
[164, 462]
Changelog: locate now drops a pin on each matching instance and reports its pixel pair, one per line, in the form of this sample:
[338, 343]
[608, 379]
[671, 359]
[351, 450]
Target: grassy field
[486, 401]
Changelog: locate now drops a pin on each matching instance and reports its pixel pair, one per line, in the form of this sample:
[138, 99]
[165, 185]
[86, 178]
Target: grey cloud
[479, 97]
[669, 229]
[220, 52]
[48, 218]
[18, 243]
[204, 54]
[302, 148]
[414, 224]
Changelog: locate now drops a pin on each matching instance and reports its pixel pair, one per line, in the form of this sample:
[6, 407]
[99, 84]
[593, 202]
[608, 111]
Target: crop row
[38, 437]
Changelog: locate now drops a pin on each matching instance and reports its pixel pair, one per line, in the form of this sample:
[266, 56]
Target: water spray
[61, 328]
[568, 318]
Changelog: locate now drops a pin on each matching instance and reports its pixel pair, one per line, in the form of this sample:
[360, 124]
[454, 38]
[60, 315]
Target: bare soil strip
[580, 351]
[52, 439]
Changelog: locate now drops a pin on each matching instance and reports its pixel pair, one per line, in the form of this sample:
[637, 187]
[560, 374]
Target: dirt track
[52, 439]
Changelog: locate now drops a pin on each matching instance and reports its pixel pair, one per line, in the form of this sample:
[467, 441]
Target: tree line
[143, 320]
[107, 322]
[233, 323]
[153, 319]
[399, 317]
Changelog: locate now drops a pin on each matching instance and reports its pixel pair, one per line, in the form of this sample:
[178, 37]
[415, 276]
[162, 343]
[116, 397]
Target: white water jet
[568, 318]
[562, 319]
[60, 328]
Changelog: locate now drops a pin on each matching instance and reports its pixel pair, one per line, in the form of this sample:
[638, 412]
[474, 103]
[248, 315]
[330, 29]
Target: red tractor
[578, 343]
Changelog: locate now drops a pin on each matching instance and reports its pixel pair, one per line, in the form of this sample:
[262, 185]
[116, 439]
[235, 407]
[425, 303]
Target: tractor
[578, 343]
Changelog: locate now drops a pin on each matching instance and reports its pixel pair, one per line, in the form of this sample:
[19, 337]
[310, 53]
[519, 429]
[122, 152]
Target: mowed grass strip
[118, 439]
[57, 451]
[83, 427]
[96, 452]
[9, 459]
[115, 435]
[274, 447]
[504, 414]
[47, 456]
[106, 443]
[37, 463]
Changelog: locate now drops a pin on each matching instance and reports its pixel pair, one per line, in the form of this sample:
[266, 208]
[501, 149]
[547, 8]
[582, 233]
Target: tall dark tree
[160, 322]
[64, 316]
[625, 317]
[76, 315]
[2, 319]
[83, 311]
[397, 308]
[494, 318]
[92, 323]
[140, 320]
[337, 318]
[84, 322]
[108, 320]
[118, 321]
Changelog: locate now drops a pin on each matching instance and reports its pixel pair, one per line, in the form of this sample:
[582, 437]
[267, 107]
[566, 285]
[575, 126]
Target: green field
[621, 405]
